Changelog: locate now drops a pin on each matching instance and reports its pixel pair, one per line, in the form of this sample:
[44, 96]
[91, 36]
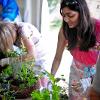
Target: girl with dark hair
[80, 33]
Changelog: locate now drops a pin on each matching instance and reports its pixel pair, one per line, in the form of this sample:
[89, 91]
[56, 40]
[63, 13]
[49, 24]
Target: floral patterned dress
[83, 68]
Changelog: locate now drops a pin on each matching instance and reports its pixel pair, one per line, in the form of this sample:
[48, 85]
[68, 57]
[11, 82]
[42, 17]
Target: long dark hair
[85, 29]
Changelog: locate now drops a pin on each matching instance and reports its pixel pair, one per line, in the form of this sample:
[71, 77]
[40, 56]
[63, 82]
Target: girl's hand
[76, 86]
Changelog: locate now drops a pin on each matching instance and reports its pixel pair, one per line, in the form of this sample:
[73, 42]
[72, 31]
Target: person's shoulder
[97, 29]
[97, 22]
[97, 25]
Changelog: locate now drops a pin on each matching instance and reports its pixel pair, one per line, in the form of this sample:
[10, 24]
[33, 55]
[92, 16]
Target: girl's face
[71, 17]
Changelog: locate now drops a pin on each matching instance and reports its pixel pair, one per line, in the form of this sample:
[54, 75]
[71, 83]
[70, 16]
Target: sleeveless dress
[83, 68]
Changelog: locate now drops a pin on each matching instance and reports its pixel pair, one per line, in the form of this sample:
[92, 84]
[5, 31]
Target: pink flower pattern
[83, 67]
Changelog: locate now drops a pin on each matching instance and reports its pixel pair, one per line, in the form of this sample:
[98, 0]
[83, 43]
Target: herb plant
[16, 77]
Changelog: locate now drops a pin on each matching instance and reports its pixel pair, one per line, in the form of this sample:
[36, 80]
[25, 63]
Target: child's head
[7, 36]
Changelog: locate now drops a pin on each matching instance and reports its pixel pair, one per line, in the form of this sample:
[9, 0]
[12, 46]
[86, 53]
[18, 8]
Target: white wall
[94, 6]
[31, 11]
[35, 12]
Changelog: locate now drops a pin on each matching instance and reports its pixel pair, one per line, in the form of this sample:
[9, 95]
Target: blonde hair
[7, 36]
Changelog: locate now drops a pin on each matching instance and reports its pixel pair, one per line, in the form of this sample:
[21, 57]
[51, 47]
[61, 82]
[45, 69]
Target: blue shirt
[10, 9]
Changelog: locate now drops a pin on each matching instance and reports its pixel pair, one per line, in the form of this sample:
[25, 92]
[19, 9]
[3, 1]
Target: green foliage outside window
[52, 4]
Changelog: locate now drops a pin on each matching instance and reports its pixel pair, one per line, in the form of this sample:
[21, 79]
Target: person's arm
[25, 32]
[59, 51]
[29, 45]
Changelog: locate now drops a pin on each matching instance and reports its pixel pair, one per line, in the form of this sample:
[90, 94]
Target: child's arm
[25, 32]
[29, 45]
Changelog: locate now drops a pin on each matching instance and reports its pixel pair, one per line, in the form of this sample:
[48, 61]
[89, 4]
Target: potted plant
[17, 78]
[53, 92]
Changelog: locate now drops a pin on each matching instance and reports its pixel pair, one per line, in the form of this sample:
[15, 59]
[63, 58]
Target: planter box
[19, 68]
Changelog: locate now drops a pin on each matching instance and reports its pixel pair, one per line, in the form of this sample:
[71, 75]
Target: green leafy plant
[5, 75]
[41, 95]
[52, 4]
[55, 24]
[17, 78]
[26, 75]
[55, 93]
